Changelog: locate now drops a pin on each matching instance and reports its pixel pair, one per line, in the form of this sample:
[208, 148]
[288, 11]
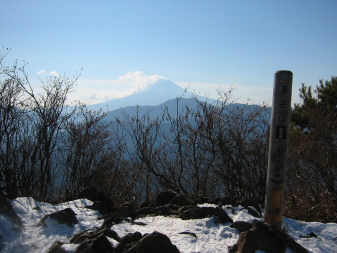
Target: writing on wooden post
[278, 145]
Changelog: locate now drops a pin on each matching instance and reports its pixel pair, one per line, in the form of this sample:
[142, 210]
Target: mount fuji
[154, 94]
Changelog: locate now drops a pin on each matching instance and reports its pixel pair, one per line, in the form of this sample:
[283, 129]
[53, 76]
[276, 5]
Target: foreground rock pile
[253, 236]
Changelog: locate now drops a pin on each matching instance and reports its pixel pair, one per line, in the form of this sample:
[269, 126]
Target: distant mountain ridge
[154, 100]
[154, 111]
[173, 106]
[155, 94]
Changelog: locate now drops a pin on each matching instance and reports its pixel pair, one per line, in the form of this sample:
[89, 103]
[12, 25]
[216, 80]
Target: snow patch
[200, 235]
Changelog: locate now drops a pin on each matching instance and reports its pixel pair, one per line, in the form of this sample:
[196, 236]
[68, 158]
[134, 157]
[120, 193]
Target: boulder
[92, 234]
[241, 226]
[56, 248]
[145, 211]
[109, 221]
[127, 242]
[101, 244]
[226, 200]
[184, 208]
[267, 238]
[148, 204]
[310, 235]
[252, 212]
[99, 206]
[187, 200]
[189, 233]
[127, 210]
[220, 216]
[215, 201]
[166, 210]
[163, 198]
[154, 243]
[66, 216]
[252, 203]
[104, 204]
[96, 245]
[7, 209]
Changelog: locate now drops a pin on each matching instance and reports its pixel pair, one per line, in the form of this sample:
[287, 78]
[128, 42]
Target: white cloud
[41, 71]
[139, 80]
[54, 73]
[97, 95]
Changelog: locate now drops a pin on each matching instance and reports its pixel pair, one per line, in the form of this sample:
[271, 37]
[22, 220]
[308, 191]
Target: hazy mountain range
[155, 94]
[157, 97]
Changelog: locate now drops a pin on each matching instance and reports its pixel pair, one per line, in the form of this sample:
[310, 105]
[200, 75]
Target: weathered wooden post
[278, 144]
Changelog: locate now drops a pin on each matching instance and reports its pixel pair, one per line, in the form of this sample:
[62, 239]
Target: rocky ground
[171, 223]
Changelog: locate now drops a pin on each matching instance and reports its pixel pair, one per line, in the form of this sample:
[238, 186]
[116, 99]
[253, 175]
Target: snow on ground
[209, 236]
[38, 238]
[201, 235]
[326, 240]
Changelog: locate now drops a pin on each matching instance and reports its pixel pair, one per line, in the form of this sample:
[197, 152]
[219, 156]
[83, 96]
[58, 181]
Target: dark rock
[139, 223]
[187, 200]
[109, 221]
[252, 212]
[125, 211]
[166, 210]
[120, 214]
[226, 200]
[127, 242]
[230, 209]
[65, 216]
[233, 249]
[144, 211]
[102, 244]
[154, 243]
[294, 246]
[7, 209]
[84, 247]
[310, 235]
[80, 237]
[241, 226]
[184, 208]
[111, 233]
[253, 203]
[182, 200]
[135, 236]
[265, 237]
[92, 194]
[105, 204]
[98, 206]
[215, 201]
[97, 245]
[204, 212]
[247, 243]
[163, 198]
[189, 233]
[87, 235]
[148, 204]
[56, 248]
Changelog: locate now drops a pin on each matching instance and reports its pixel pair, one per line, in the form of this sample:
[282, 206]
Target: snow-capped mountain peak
[152, 94]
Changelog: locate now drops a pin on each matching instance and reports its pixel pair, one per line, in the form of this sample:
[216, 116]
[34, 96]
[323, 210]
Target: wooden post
[278, 144]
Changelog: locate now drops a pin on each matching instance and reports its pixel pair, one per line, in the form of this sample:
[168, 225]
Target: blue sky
[206, 44]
